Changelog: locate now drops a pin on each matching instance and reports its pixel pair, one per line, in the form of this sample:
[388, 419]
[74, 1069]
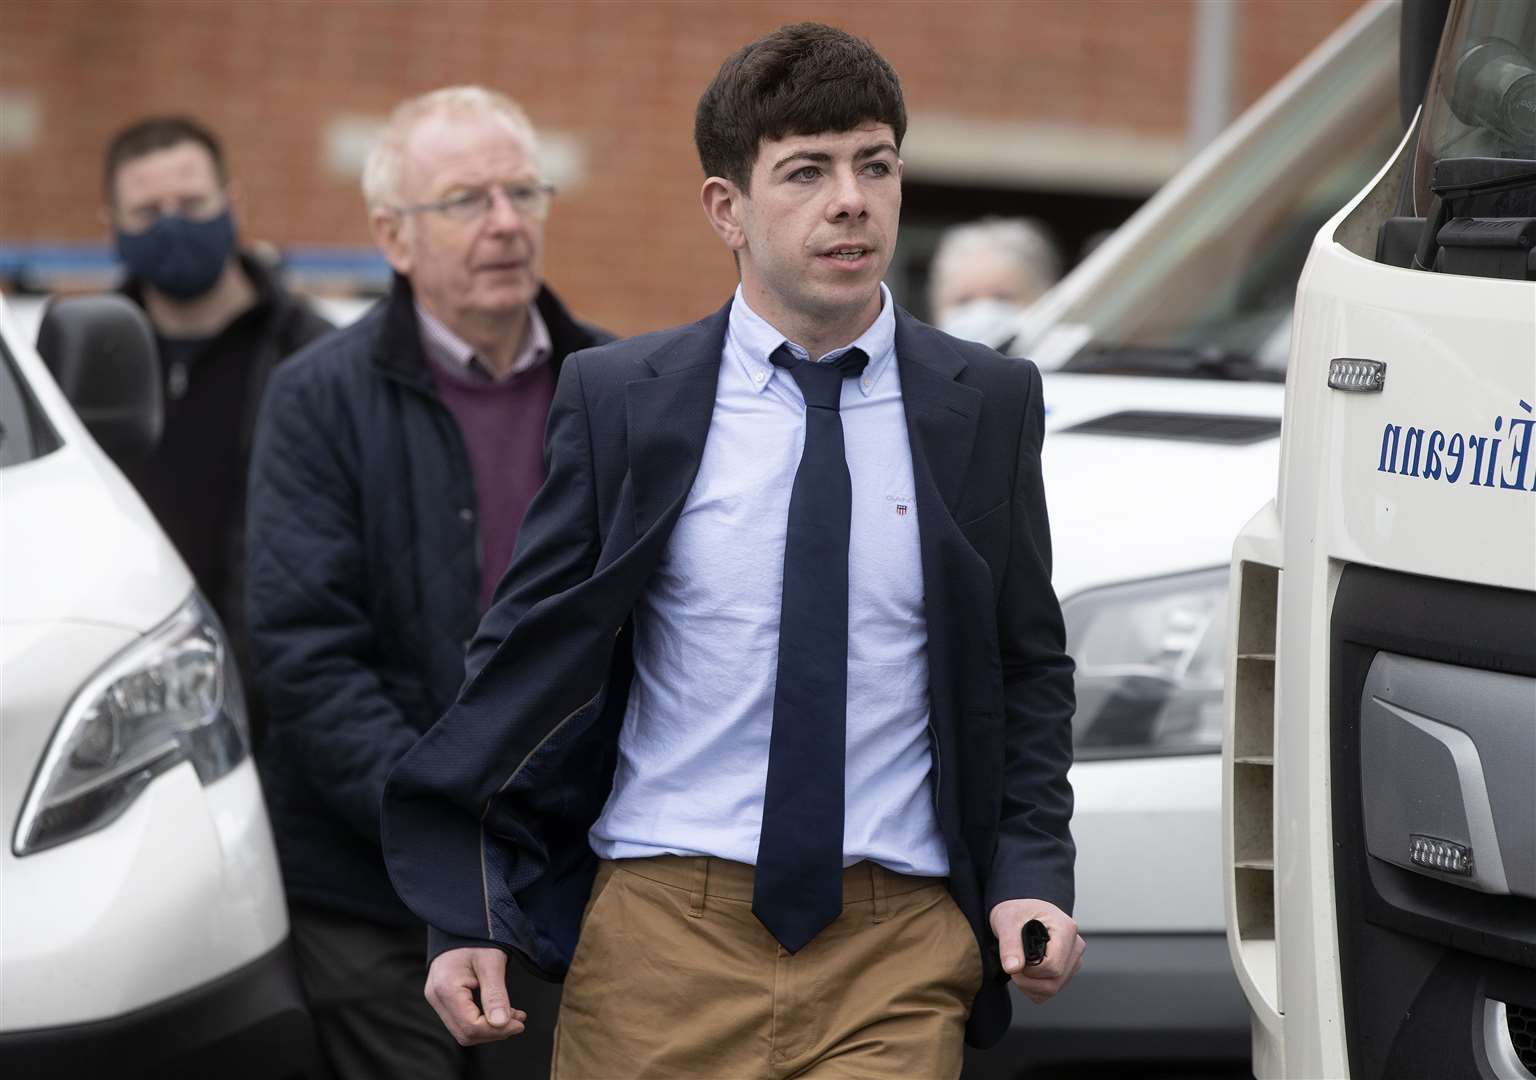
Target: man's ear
[389, 234]
[722, 206]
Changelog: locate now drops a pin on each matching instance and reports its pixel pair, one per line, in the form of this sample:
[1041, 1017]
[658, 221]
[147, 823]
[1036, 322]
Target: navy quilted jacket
[362, 587]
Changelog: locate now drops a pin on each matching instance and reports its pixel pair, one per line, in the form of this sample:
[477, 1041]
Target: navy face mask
[180, 257]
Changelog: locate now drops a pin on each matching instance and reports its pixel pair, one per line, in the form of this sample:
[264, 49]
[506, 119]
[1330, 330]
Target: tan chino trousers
[675, 978]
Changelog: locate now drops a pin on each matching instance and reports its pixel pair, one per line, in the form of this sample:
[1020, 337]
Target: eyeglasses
[530, 200]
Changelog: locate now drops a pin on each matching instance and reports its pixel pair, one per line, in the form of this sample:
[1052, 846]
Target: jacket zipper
[461, 451]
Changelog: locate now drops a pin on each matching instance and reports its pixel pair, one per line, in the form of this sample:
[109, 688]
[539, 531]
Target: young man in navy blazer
[765, 739]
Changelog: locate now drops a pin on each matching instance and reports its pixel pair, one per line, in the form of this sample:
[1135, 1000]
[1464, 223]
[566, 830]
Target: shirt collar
[446, 349]
[753, 339]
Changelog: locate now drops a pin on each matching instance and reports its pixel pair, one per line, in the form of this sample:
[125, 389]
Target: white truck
[1379, 849]
[1164, 356]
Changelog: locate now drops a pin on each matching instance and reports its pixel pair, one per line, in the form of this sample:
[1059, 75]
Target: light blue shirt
[693, 750]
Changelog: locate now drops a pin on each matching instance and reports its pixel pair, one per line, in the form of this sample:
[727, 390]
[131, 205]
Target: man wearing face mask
[986, 273]
[221, 321]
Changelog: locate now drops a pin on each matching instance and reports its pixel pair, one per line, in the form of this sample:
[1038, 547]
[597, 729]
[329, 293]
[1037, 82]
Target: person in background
[776, 686]
[985, 273]
[222, 322]
[393, 463]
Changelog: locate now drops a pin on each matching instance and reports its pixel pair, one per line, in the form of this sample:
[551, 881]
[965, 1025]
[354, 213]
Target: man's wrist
[441, 941]
[1031, 887]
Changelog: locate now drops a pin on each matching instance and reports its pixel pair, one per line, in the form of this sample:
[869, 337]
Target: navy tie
[798, 885]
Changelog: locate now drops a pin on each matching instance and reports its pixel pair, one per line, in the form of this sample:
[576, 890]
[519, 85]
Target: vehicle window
[1481, 102]
[25, 433]
[1217, 292]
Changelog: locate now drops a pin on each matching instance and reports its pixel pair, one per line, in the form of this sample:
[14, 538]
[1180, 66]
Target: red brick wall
[630, 248]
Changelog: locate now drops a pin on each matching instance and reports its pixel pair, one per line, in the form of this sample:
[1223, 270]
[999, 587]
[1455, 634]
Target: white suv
[143, 928]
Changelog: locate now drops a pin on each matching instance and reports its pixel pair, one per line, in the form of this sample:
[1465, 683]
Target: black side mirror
[101, 352]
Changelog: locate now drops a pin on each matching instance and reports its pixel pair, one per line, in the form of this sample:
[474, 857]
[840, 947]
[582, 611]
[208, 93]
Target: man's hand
[1063, 956]
[451, 984]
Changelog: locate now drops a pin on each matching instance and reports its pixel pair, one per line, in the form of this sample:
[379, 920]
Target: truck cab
[1379, 763]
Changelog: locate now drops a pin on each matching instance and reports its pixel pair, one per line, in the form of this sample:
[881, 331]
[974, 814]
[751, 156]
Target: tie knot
[822, 384]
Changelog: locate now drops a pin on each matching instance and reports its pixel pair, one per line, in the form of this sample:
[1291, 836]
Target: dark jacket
[363, 587]
[486, 819]
[277, 325]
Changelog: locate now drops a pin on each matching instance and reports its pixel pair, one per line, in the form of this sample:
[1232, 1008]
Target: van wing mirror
[102, 353]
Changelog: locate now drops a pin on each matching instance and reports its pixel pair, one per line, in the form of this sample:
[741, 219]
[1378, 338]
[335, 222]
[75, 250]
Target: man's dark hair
[158, 133]
[804, 79]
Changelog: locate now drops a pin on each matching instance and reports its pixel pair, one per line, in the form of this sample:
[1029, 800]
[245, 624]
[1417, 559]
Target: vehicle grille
[1522, 1032]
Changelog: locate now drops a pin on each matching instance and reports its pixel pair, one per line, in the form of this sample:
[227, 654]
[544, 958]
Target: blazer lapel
[942, 413]
[668, 415]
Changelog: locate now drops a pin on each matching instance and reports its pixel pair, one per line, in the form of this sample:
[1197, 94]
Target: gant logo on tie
[902, 503]
[901, 509]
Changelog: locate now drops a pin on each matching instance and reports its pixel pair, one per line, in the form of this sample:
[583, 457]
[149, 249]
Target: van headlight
[171, 696]
[1150, 665]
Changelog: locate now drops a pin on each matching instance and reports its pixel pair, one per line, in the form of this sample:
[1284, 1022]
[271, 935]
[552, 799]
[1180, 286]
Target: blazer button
[466, 515]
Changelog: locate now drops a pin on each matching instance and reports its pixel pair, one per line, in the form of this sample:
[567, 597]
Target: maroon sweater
[503, 427]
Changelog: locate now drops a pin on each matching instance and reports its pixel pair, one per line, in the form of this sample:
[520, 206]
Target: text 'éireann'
[1501, 459]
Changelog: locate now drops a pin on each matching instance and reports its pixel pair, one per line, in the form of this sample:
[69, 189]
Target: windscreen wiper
[1171, 362]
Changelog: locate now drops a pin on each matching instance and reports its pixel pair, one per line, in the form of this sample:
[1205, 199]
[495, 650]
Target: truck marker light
[1442, 855]
[1357, 376]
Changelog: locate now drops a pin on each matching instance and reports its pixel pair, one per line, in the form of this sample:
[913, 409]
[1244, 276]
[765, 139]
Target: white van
[1164, 360]
[142, 923]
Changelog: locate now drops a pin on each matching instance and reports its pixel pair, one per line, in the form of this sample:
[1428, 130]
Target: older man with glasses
[393, 463]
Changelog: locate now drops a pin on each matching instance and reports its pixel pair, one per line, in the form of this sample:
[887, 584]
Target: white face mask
[989, 321]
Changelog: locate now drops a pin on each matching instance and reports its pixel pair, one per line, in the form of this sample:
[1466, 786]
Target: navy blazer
[485, 820]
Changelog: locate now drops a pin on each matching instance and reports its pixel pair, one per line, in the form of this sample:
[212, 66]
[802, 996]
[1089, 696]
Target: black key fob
[1035, 937]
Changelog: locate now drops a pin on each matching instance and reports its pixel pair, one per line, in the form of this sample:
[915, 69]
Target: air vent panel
[1522, 1034]
[1225, 428]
